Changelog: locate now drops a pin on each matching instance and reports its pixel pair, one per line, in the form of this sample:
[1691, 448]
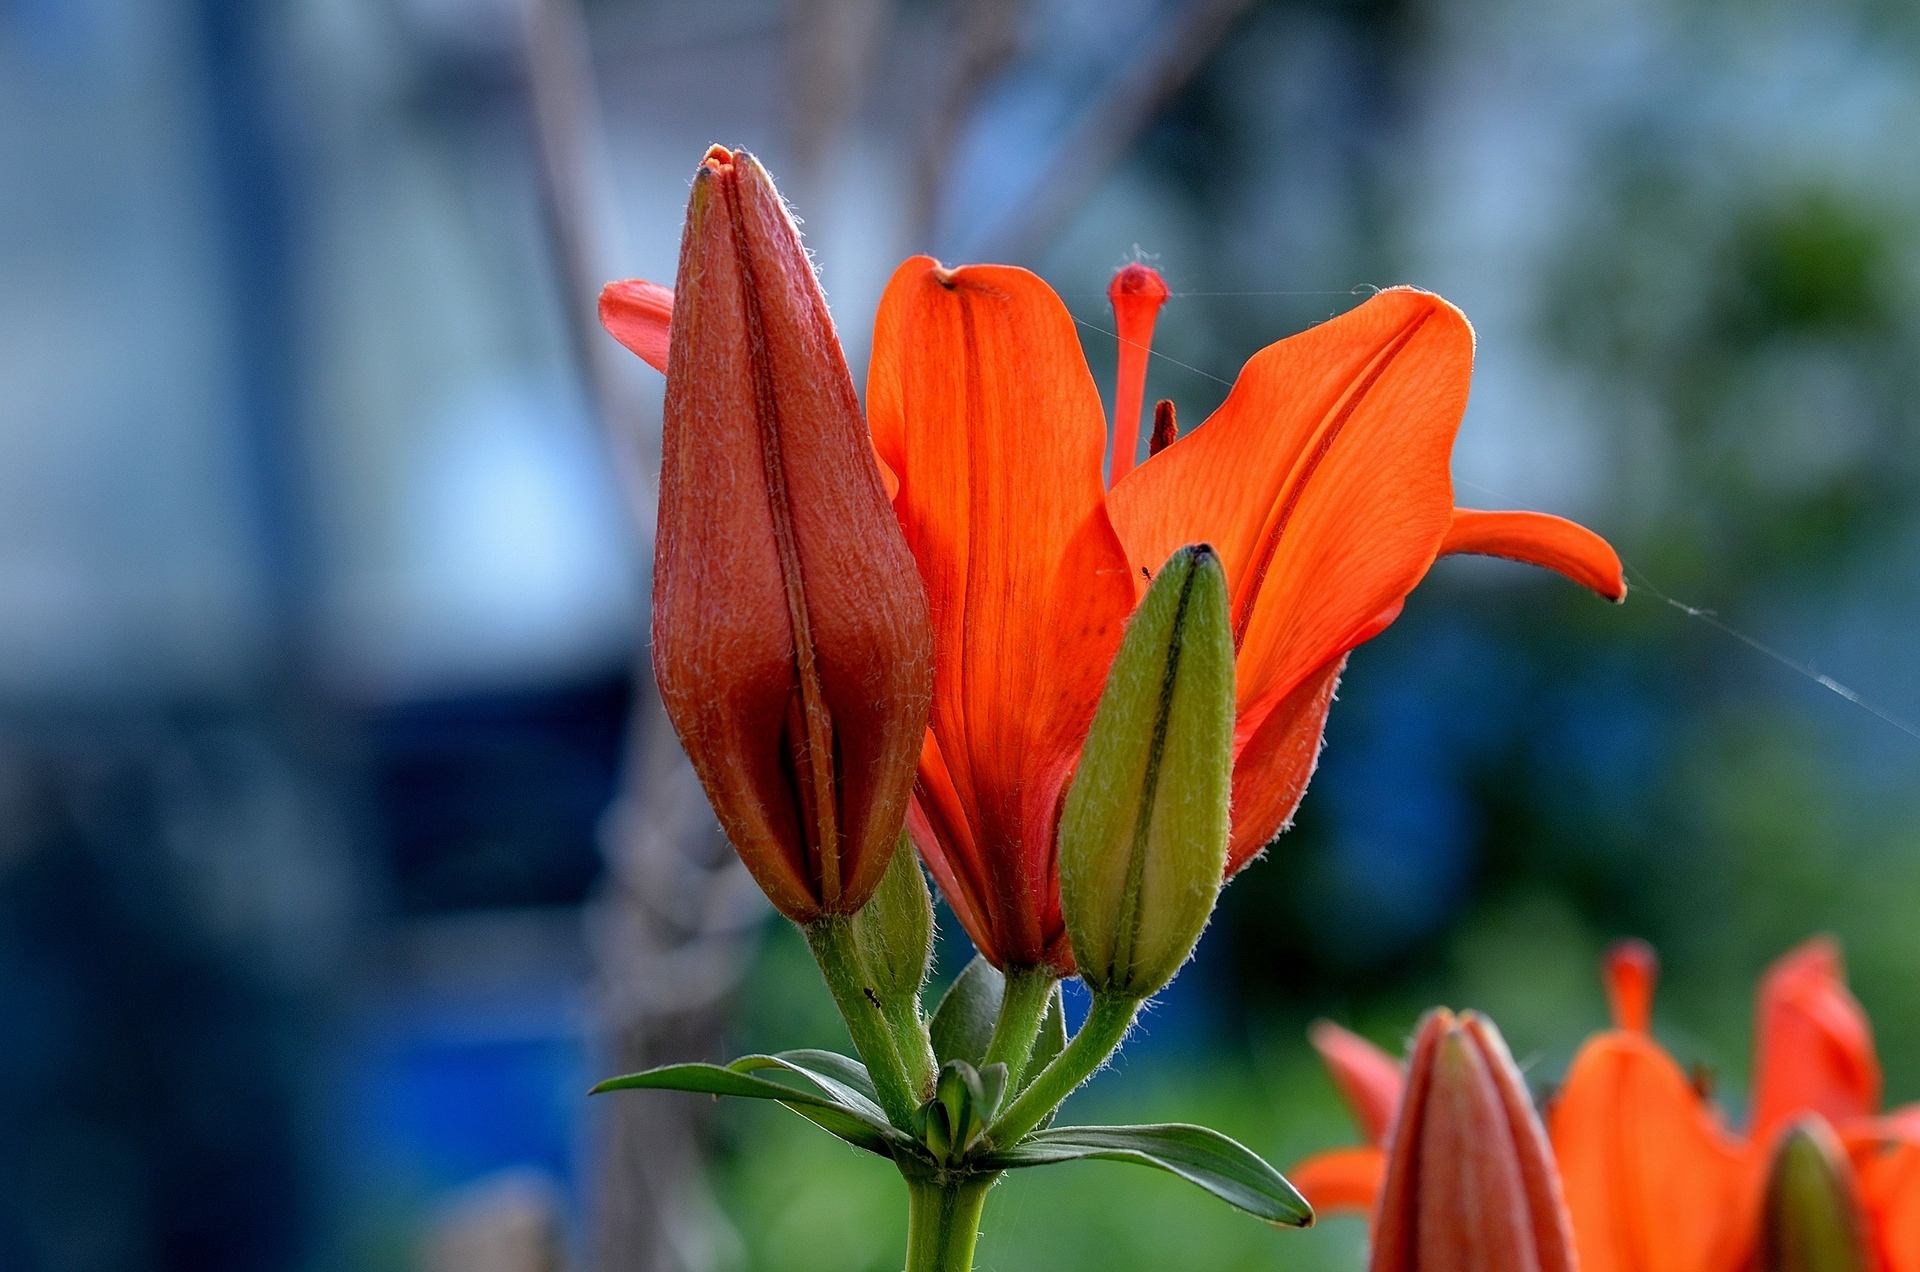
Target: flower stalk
[832, 942]
[1023, 1007]
[943, 1221]
[1107, 1023]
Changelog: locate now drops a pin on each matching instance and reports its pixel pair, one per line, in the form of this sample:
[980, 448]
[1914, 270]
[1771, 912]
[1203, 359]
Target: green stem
[1107, 1023]
[831, 939]
[943, 1222]
[1023, 1008]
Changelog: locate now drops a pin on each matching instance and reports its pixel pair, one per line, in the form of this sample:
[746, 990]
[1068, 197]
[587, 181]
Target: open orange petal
[1650, 1176]
[1275, 753]
[1815, 1050]
[638, 314]
[1341, 1180]
[1890, 1191]
[1538, 538]
[1370, 1081]
[981, 404]
[1322, 480]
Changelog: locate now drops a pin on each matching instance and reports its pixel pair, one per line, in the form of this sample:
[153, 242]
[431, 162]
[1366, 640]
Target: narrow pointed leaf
[842, 1080]
[1202, 1157]
[963, 1023]
[850, 1123]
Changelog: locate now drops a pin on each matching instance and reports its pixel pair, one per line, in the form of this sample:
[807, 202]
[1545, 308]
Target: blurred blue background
[339, 849]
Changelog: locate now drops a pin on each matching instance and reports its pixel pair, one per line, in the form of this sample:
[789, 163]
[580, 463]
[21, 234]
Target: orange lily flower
[1654, 1180]
[1322, 481]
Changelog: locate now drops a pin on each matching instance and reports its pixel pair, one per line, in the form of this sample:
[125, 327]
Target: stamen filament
[1136, 294]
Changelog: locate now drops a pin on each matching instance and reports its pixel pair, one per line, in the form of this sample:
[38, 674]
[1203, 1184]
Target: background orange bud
[1471, 1185]
[791, 640]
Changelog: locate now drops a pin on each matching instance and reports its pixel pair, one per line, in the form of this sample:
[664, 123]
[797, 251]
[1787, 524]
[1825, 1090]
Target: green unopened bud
[894, 929]
[1143, 835]
[1812, 1220]
[963, 1104]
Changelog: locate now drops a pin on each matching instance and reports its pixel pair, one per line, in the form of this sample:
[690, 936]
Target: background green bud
[1812, 1221]
[1143, 836]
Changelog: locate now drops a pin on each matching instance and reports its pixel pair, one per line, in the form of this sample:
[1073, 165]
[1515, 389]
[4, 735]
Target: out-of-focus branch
[675, 922]
[1113, 121]
[575, 195]
[830, 47]
[986, 40]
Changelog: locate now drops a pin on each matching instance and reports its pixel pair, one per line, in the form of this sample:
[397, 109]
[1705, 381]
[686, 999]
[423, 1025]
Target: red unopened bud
[790, 632]
[1470, 1185]
[1811, 1217]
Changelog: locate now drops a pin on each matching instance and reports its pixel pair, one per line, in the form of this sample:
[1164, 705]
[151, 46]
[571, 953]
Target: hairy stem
[1023, 1008]
[1107, 1024]
[912, 1044]
[943, 1222]
[831, 939]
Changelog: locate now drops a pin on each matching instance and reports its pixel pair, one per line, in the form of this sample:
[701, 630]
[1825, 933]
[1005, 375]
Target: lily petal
[1275, 754]
[1341, 1180]
[1890, 1190]
[1538, 538]
[639, 315]
[981, 404]
[1650, 1176]
[1321, 480]
[1815, 1047]
[1370, 1081]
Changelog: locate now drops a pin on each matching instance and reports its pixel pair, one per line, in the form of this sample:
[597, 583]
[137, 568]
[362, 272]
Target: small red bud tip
[1165, 428]
[1631, 970]
[1136, 294]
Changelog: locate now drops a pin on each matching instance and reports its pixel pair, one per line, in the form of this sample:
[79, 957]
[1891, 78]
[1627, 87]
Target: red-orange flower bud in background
[790, 634]
[1470, 1184]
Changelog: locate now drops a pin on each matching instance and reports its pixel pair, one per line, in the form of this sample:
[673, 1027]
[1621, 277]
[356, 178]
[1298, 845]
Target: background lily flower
[1651, 1174]
[789, 626]
[1654, 1180]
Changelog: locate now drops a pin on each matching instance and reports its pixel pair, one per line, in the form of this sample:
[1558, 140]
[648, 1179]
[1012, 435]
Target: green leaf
[963, 1023]
[842, 1079]
[862, 1127]
[1206, 1158]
